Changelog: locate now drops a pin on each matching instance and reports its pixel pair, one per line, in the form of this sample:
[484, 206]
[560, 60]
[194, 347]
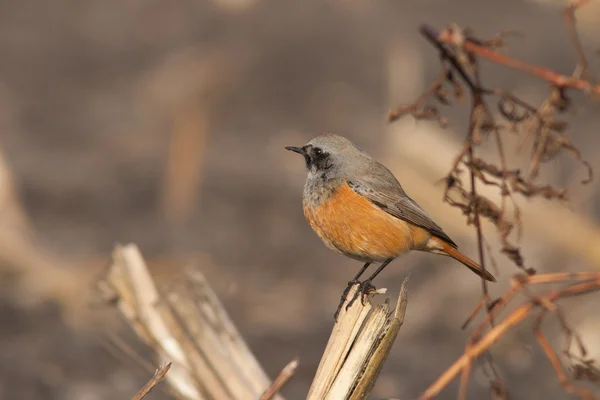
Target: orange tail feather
[472, 265]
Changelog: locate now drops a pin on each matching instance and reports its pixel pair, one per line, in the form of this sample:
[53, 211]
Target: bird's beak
[298, 150]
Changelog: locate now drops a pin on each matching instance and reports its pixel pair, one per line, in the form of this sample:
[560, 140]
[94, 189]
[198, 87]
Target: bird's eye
[318, 151]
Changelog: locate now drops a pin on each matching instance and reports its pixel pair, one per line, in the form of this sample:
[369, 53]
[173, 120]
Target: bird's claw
[343, 299]
[364, 288]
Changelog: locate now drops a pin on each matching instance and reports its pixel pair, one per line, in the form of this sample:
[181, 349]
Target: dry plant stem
[393, 115]
[183, 166]
[555, 277]
[569, 15]
[357, 348]
[477, 220]
[578, 237]
[158, 375]
[474, 127]
[364, 345]
[479, 345]
[483, 300]
[519, 281]
[344, 332]
[137, 299]
[457, 60]
[477, 349]
[373, 368]
[553, 358]
[464, 63]
[558, 80]
[186, 324]
[545, 112]
[481, 117]
[464, 379]
[459, 53]
[282, 378]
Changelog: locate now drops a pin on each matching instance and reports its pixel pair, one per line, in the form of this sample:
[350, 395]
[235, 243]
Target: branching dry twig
[471, 46]
[558, 369]
[459, 76]
[569, 15]
[584, 283]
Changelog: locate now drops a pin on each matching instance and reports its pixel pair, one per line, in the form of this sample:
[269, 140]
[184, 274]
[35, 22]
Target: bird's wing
[383, 189]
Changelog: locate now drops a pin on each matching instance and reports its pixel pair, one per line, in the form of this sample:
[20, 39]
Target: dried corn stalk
[188, 326]
[358, 346]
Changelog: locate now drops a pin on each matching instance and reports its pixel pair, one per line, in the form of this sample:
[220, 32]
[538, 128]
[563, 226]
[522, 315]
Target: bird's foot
[364, 288]
[343, 299]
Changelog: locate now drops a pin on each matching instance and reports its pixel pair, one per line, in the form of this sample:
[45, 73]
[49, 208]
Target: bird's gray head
[330, 154]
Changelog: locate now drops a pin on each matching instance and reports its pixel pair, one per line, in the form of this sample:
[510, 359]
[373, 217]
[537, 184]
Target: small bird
[359, 209]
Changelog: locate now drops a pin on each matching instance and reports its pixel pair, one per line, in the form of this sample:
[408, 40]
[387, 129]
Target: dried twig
[553, 358]
[459, 55]
[479, 344]
[558, 80]
[158, 375]
[477, 349]
[569, 15]
[282, 378]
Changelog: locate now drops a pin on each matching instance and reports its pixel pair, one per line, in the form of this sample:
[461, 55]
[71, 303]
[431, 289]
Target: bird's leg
[365, 286]
[350, 283]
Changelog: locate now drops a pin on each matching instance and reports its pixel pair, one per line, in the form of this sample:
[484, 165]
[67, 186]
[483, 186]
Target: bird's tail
[472, 265]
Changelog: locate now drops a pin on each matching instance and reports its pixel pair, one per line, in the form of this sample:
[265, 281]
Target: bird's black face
[315, 157]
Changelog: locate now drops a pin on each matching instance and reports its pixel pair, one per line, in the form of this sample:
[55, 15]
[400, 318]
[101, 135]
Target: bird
[359, 209]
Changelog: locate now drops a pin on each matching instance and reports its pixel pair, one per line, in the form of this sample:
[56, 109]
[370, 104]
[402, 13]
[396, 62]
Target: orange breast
[352, 225]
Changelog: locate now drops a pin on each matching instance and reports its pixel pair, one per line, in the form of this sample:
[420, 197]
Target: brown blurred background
[163, 123]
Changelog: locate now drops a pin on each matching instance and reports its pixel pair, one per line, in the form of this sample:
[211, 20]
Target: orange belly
[352, 225]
